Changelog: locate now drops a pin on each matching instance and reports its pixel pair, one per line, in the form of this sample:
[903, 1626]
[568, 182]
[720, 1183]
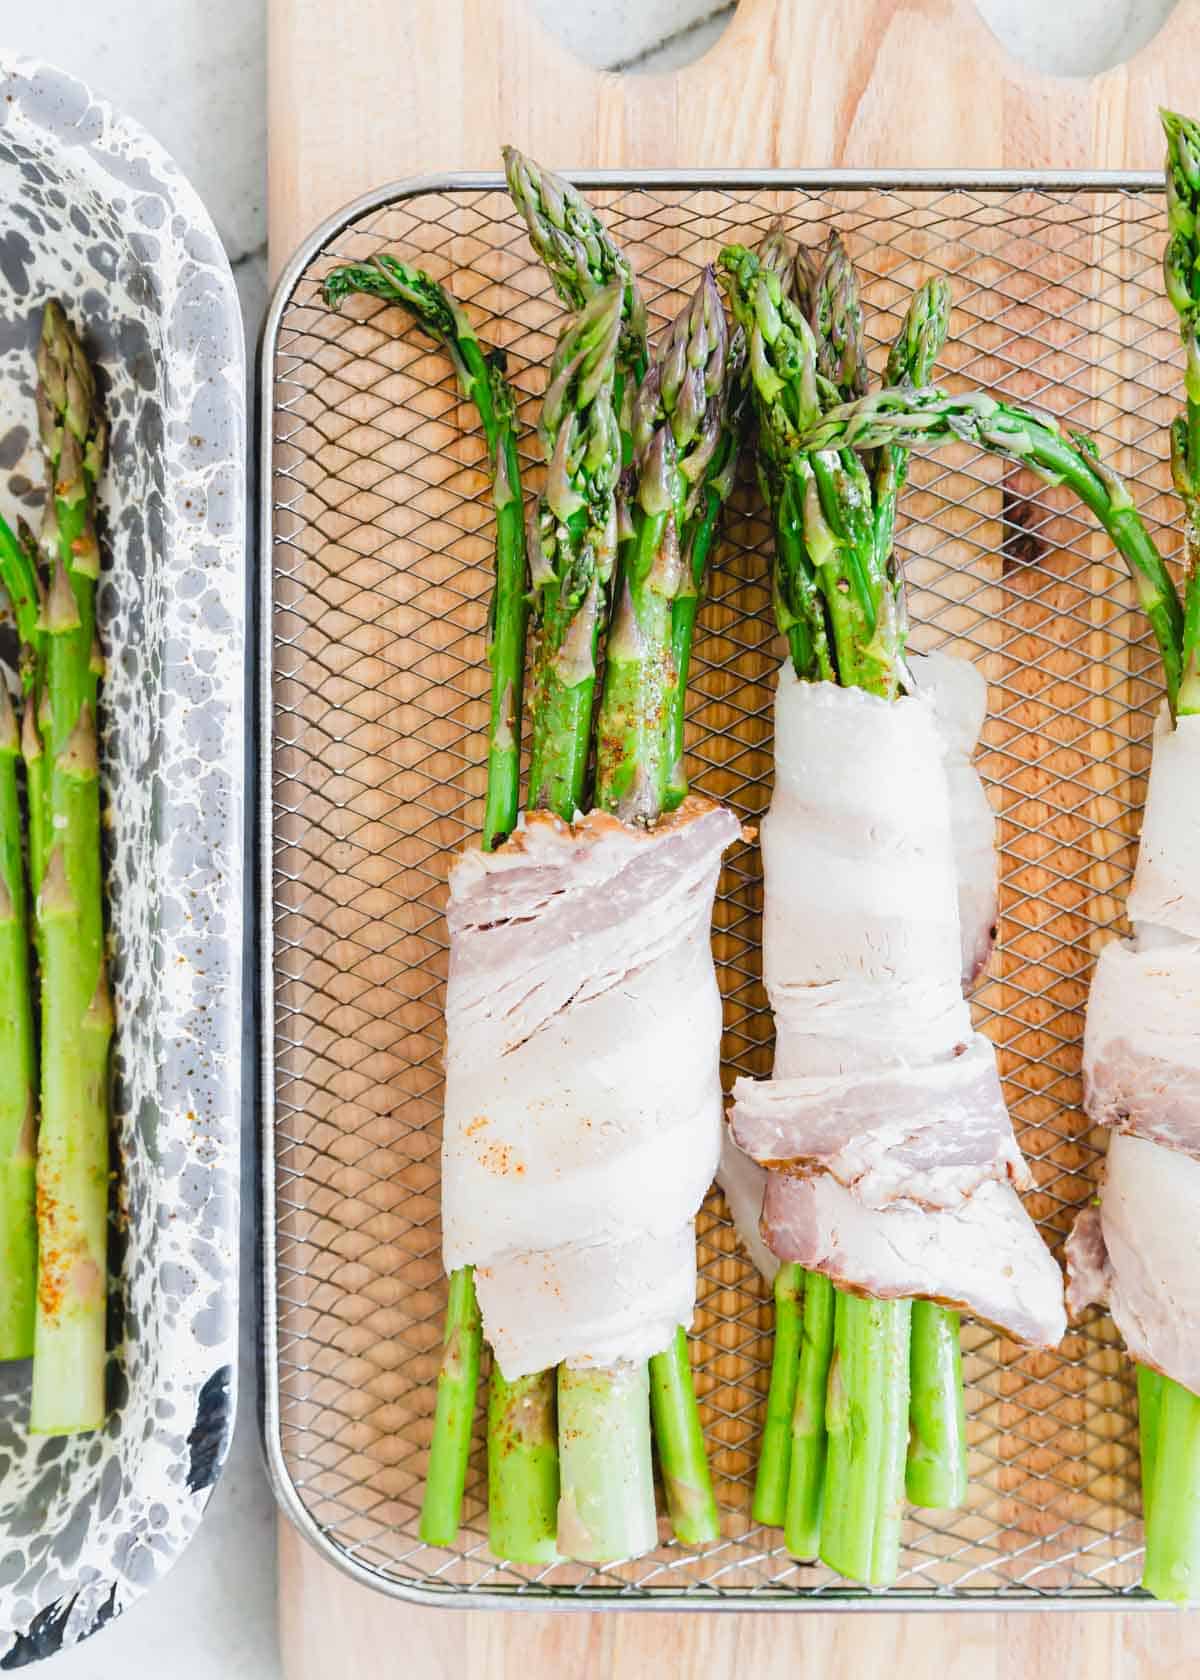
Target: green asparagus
[936, 1474]
[680, 1438]
[678, 422]
[77, 1015]
[522, 1441]
[810, 1437]
[18, 1065]
[1182, 282]
[1172, 1567]
[867, 1419]
[927, 418]
[579, 254]
[481, 378]
[775, 1453]
[18, 1056]
[679, 417]
[699, 535]
[450, 1446]
[575, 550]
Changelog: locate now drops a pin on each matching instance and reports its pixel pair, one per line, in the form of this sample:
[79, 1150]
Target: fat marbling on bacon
[1138, 1251]
[892, 1157]
[583, 1095]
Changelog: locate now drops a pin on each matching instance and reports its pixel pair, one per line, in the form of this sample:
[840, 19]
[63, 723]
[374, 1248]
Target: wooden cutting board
[367, 91]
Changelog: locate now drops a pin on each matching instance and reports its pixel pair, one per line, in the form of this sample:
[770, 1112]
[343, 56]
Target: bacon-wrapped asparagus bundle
[1133, 1251]
[1137, 1250]
[583, 1022]
[892, 1163]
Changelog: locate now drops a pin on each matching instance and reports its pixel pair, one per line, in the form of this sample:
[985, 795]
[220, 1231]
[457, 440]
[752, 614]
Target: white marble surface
[194, 74]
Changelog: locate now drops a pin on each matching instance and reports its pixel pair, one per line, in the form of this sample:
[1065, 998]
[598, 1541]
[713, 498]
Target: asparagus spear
[18, 1067]
[77, 1015]
[1172, 1567]
[579, 253]
[837, 322]
[927, 418]
[450, 1446]
[606, 1499]
[18, 1057]
[1182, 283]
[699, 534]
[936, 1474]
[910, 362]
[806, 1470]
[482, 381]
[775, 1453]
[523, 1496]
[575, 550]
[606, 1511]
[678, 422]
[867, 1418]
[522, 1443]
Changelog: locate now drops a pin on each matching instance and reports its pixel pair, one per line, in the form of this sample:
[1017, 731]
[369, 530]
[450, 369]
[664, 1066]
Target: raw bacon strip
[983, 1255]
[852, 1023]
[1141, 1054]
[885, 1123]
[930, 1135]
[1166, 883]
[595, 1305]
[856, 843]
[583, 1093]
[742, 1183]
[1138, 1254]
[959, 695]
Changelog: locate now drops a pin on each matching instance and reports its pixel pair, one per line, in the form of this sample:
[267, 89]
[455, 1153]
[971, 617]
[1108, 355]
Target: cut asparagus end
[606, 1503]
[771, 1481]
[936, 1473]
[68, 1372]
[867, 1417]
[680, 1437]
[454, 1415]
[522, 1468]
[1172, 1567]
[806, 1476]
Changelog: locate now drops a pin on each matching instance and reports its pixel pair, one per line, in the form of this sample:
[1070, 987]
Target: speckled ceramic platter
[93, 211]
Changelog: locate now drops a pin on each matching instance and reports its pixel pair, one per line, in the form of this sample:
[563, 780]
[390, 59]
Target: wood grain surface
[373, 90]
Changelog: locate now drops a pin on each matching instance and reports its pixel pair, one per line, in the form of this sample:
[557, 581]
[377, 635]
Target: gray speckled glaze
[93, 211]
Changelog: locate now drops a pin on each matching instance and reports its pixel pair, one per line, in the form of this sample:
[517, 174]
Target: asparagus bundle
[1136, 1250]
[1139, 1059]
[684, 424]
[869, 1014]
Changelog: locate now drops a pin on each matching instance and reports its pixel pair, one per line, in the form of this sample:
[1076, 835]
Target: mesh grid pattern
[381, 573]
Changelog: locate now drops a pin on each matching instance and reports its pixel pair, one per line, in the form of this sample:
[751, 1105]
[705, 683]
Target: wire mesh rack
[376, 568]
